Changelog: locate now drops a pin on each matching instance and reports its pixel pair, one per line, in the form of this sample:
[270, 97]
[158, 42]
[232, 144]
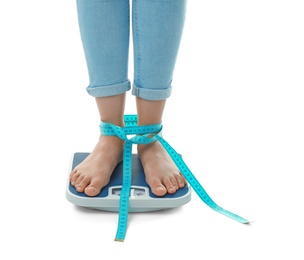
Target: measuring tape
[145, 135]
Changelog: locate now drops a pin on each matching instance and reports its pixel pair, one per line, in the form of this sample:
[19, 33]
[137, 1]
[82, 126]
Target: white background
[236, 115]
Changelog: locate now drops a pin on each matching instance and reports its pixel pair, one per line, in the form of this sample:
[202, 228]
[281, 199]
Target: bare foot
[95, 171]
[162, 175]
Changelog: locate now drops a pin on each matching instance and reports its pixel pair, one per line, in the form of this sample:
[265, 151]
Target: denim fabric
[157, 27]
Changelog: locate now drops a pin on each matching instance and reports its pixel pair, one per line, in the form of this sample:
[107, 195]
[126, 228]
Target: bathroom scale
[141, 198]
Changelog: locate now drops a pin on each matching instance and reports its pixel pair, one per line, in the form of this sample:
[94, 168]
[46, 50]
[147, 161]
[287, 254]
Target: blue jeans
[157, 27]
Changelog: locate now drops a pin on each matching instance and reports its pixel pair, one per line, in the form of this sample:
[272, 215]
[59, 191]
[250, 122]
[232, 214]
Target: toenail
[92, 188]
[159, 188]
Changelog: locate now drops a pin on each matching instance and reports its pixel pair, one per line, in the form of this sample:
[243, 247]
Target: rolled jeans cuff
[151, 94]
[109, 90]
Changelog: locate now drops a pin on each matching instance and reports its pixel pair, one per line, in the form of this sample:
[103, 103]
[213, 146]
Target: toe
[174, 183]
[91, 190]
[181, 184]
[74, 177]
[181, 181]
[79, 179]
[169, 185]
[72, 173]
[82, 184]
[94, 187]
[159, 190]
[157, 187]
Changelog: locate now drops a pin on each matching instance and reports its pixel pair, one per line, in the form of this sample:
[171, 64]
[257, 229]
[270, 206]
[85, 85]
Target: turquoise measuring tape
[145, 135]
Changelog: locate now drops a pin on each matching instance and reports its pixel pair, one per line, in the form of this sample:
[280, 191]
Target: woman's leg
[95, 171]
[157, 31]
[104, 28]
[161, 173]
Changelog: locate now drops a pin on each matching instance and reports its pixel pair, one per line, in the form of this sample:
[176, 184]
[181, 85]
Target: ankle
[114, 121]
[142, 148]
[149, 111]
[113, 141]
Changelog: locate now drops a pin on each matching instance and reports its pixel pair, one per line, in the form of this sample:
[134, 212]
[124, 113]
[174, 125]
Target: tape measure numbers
[197, 187]
[145, 135]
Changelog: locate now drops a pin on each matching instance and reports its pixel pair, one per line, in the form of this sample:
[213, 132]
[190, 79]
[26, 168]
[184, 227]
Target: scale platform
[141, 198]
